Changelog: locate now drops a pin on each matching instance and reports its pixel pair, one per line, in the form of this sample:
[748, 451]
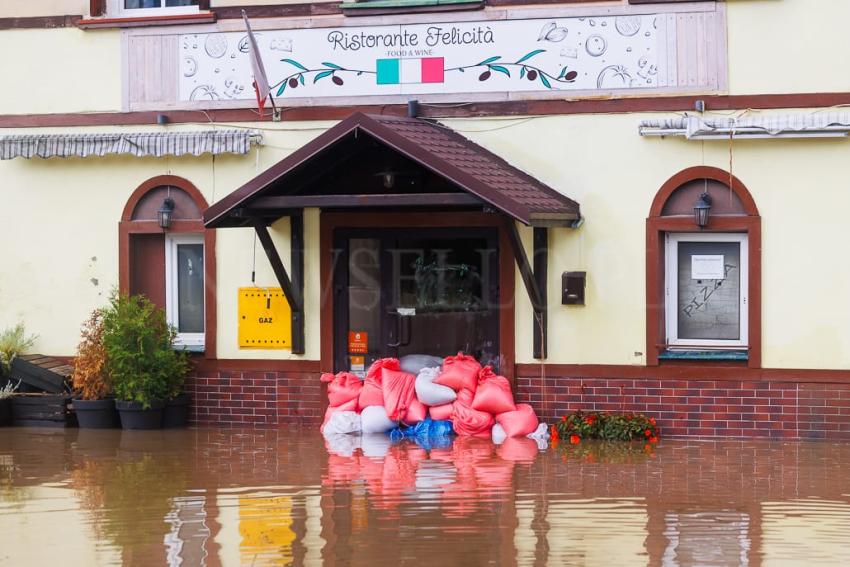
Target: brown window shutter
[97, 7]
[204, 4]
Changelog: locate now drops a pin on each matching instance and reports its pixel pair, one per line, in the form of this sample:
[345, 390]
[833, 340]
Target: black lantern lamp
[165, 213]
[701, 209]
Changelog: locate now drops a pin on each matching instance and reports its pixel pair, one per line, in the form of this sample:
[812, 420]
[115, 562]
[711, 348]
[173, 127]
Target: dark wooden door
[424, 291]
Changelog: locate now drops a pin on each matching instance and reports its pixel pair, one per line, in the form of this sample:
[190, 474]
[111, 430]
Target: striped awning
[139, 144]
[698, 127]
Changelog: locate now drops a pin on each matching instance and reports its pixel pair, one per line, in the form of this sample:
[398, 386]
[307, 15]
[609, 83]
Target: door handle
[397, 330]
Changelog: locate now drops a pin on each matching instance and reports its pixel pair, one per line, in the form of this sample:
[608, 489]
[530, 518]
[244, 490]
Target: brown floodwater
[288, 497]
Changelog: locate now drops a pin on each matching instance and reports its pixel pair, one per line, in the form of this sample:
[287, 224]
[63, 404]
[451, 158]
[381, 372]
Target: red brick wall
[255, 398]
[703, 408]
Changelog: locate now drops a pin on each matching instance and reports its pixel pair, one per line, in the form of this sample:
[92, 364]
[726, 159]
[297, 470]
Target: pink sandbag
[350, 405]
[459, 373]
[440, 413]
[372, 392]
[493, 394]
[399, 393]
[416, 412]
[518, 423]
[468, 421]
[343, 387]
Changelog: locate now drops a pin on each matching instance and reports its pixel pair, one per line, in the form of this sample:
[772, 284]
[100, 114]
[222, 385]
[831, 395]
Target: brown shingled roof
[433, 146]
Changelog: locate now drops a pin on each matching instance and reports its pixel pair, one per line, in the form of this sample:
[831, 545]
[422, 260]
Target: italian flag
[410, 71]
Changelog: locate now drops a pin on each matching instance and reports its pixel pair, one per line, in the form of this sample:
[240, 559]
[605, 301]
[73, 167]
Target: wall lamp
[165, 213]
[701, 209]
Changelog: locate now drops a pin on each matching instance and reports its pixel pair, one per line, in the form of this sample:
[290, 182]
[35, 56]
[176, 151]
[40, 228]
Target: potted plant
[13, 341]
[93, 404]
[140, 359]
[6, 403]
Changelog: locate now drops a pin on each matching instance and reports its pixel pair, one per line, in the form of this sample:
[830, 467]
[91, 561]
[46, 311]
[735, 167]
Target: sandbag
[350, 405]
[414, 363]
[398, 389]
[470, 422]
[342, 387]
[372, 392]
[416, 412]
[432, 394]
[374, 419]
[342, 422]
[440, 413]
[493, 394]
[518, 423]
[498, 434]
[459, 373]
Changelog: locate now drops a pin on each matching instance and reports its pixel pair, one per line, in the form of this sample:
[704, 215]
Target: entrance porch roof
[468, 176]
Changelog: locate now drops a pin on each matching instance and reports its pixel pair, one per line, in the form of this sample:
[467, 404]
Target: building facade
[604, 199]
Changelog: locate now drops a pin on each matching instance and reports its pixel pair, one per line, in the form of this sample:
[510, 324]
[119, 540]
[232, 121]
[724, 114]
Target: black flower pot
[97, 414]
[177, 411]
[5, 411]
[134, 416]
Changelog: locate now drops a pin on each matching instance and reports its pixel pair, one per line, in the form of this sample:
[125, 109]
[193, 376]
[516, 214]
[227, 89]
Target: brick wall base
[702, 408]
[255, 399]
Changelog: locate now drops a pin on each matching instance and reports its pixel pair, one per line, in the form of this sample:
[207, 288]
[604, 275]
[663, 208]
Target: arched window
[175, 266]
[703, 282]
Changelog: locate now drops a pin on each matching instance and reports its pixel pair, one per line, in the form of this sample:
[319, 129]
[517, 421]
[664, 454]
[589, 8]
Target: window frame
[191, 341]
[746, 219]
[115, 8]
[671, 291]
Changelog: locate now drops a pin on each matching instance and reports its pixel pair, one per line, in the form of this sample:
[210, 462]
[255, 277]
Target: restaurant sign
[606, 53]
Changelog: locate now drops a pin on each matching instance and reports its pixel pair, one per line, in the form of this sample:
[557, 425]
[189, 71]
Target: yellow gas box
[265, 318]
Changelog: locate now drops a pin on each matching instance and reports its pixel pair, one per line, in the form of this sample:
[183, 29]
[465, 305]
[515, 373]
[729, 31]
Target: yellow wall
[60, 70]
[788, 46]
[58, 215]
[30, 8]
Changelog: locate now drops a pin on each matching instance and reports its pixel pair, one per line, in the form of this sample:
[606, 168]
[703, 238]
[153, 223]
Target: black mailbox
[572, 288]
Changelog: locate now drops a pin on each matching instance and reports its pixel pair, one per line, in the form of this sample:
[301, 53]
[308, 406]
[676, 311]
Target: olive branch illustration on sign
[425, 70]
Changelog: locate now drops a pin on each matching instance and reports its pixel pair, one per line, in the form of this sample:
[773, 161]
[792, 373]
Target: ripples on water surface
[216, 497]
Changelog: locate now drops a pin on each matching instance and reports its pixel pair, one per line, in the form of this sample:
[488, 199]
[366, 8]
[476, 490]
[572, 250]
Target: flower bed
[606, 426]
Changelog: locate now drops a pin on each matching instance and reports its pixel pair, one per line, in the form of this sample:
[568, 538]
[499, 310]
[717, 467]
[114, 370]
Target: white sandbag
[414, 363]
[374, 419]
[540, 436]
[342, 422]
[542, 432]
[498, 434]
[375, 445]
[432, 394]
[342, 444]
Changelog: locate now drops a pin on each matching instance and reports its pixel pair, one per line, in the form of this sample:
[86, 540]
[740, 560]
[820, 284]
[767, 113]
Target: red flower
[648, 433]
[652, 420]
[575, 439]
[653, 439]
[563, 418]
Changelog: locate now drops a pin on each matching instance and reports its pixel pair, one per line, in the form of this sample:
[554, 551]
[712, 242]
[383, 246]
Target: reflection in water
[213, 497]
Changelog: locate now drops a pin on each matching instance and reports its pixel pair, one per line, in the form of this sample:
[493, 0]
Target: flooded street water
[231, 497]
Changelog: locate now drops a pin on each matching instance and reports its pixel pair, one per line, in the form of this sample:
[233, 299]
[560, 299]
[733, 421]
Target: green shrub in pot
[141, 359]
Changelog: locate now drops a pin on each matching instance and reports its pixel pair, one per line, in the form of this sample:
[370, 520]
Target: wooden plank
[672, 26]
[701, 58]
[169, 68]
[524, 266]
[352, 201]
[712, 57]
[541, 275]
[32, 373]
[296, 260]
[277, 267]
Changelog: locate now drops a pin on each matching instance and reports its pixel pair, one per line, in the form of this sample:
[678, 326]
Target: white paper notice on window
[707, 267]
